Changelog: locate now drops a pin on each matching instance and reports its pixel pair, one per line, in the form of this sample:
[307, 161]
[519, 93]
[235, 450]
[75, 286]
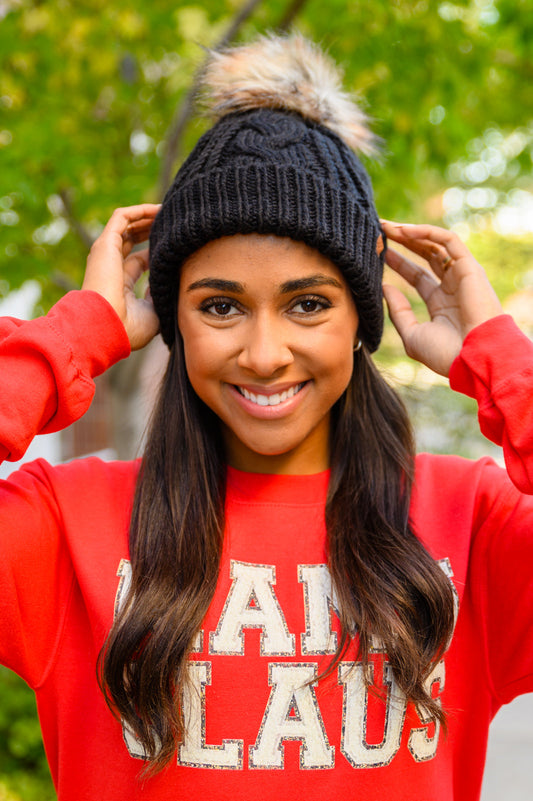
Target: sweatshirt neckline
[274, 488]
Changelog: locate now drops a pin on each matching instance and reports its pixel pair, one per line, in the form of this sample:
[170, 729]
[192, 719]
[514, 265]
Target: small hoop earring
[358, 346]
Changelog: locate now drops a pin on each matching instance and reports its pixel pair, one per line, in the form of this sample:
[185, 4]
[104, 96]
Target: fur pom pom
[289, 73]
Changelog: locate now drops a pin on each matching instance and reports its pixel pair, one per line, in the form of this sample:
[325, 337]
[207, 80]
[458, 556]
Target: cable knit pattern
[273, 172]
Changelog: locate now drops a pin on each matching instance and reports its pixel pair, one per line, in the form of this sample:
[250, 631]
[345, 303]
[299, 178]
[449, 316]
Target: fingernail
[392, 224]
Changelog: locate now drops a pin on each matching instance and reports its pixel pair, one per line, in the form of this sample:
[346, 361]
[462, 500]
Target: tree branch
[185, 110]
[63, 281]
[291, 12]
[76, 225]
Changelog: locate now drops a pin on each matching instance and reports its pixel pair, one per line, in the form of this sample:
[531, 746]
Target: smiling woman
[281, 601]
[269, 358]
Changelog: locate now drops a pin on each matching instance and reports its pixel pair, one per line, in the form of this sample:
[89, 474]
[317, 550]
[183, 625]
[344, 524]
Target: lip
[269, 412]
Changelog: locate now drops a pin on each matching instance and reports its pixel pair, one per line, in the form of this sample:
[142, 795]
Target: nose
[266, 348]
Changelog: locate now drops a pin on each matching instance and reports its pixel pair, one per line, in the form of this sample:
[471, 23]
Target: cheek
[339, 347]
[200, 359]
[207, 357]
[340, 373]
[337, 367]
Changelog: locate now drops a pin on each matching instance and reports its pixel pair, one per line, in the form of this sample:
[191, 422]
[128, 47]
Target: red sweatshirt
[258, 727]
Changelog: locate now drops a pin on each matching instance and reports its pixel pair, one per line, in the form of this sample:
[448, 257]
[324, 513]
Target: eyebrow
[308, 282]
[296, 285]
[221, 284]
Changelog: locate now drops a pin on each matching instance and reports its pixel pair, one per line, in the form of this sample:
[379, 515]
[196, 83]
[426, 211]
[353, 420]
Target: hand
[456, 291]
[113, 270]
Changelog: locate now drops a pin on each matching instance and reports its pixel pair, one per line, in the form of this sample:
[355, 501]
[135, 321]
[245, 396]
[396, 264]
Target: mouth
[273, 399]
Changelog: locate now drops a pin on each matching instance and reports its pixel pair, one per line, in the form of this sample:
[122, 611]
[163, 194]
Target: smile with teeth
[271, 400]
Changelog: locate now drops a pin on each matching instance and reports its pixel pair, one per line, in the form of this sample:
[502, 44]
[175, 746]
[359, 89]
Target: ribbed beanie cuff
[329, 209]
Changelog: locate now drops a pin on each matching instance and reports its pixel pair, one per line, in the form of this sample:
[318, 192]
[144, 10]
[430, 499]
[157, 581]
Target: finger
[131, 215]
[117, 238]
[431, 240]
[123, 223]
[145, 220]
[147, 326]
[435, 254]
[139, 230]
[419, 278]
[148, 296]
[136, 264]
[400, 311]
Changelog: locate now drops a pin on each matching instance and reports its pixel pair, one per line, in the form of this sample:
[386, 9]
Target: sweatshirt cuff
[483, 365]
[91, 329]
[495, 366]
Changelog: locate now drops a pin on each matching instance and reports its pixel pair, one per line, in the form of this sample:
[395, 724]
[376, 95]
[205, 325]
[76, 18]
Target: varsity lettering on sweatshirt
[261, 719]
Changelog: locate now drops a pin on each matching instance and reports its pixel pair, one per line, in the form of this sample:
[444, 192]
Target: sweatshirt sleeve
[499, 587]
[495, 367]
[48, 366]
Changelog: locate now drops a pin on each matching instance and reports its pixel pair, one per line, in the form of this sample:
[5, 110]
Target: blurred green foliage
[24, 774]
[88, 90]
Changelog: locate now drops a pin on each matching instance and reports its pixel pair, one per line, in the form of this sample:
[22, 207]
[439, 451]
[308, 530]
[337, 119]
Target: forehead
[258, 261]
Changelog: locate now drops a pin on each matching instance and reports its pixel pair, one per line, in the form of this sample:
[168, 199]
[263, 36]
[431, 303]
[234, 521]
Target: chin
[272, 450]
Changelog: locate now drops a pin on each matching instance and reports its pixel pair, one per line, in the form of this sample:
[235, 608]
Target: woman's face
[269, 326]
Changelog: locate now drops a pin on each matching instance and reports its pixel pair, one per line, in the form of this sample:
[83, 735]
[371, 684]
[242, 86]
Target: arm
[467, 338]
[495, 367]
[48, 365]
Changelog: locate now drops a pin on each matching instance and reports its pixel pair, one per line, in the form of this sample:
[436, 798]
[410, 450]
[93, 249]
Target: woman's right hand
[113, 270]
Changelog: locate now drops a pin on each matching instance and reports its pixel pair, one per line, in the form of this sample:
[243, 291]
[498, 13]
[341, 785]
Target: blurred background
[97, 111]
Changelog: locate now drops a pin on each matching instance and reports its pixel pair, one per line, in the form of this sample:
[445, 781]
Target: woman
[280, 602]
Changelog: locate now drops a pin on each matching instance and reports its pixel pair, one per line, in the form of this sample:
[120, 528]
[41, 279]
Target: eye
[310, 305]
[220, 307]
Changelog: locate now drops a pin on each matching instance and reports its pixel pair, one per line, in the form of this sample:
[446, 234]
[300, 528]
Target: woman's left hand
[456, 291]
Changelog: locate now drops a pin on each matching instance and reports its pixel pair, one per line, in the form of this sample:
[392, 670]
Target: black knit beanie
[272, 171]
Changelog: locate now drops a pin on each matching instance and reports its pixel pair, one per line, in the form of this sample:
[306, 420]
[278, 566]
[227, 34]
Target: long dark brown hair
[387, 585]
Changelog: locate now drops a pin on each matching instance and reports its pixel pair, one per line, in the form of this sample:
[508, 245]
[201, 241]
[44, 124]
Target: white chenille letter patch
[354, 744]
[371, 728]
[319, 602]
[252, 603]
[421, 746]
[194, 751]
[292, 713]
